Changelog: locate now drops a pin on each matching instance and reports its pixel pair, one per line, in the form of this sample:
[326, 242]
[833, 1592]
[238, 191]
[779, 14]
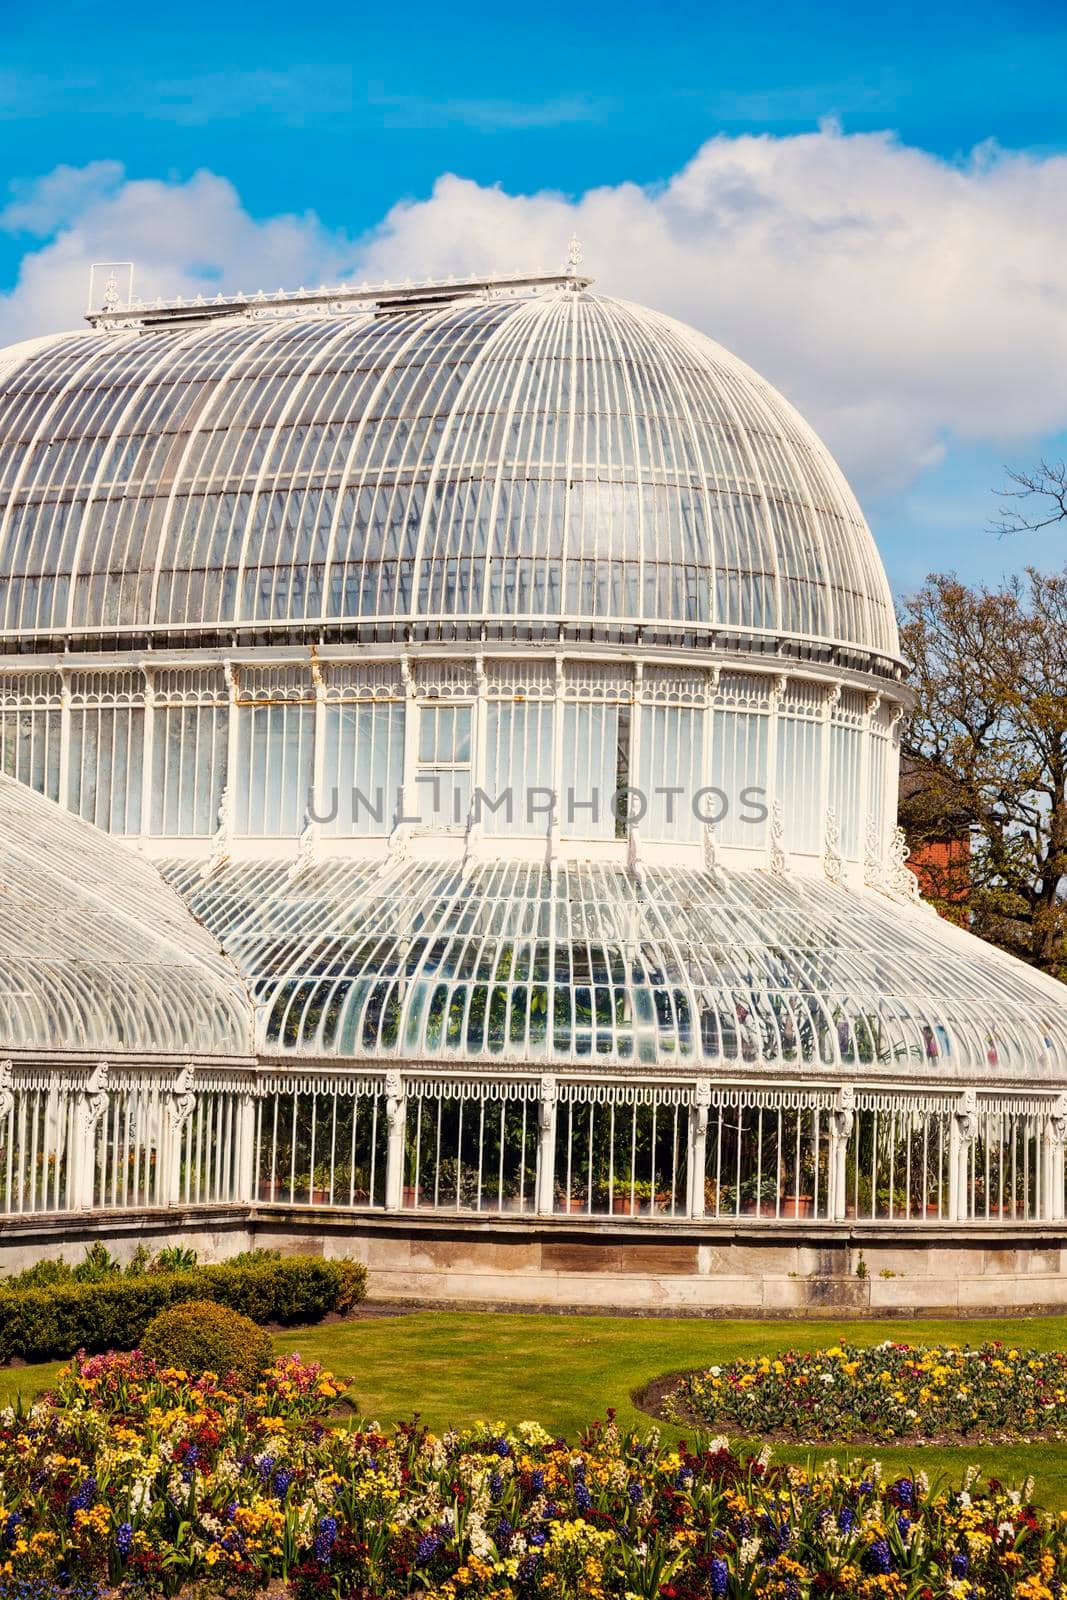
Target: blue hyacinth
[84, 1497]
[124, 1539]
[325, 1540]
[282, 1479]
[718, 1575]
[878, 1560]
[429, 1546]
[960, 1564]
[846, 1519]
[496, 1486]
[636, 1494]
[582, 1498]
[537, 1481]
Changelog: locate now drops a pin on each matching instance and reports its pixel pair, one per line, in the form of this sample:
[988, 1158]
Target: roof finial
[575, 255]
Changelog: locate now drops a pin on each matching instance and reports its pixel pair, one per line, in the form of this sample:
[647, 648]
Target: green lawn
[454, 1367]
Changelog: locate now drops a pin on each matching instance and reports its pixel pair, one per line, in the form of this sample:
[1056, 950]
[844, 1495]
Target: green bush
[201, 1336]
[45, 1322]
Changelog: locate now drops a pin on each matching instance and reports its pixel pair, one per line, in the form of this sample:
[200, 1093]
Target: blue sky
[639, 123]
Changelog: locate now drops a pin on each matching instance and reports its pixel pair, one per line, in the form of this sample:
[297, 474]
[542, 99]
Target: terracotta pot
[270, 1191]
[571, 1205]
[797, 1205]
[762, 1208]
[319, 1197]
[623, 1205]
[408, 1197]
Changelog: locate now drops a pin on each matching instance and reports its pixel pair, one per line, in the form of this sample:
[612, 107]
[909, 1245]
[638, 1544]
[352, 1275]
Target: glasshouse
[449, 765]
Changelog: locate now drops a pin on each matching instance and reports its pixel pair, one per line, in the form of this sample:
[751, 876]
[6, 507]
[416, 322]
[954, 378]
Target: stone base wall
[568, 1263]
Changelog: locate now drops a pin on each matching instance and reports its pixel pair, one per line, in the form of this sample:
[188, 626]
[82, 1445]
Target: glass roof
[97, 953]
[552, 455]
[505, 963]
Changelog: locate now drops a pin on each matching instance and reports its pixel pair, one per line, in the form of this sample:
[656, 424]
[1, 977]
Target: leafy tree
[987, 744]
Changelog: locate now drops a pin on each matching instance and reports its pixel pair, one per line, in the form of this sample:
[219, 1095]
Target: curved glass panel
[554, 456]
[96, 953]
[506, 963]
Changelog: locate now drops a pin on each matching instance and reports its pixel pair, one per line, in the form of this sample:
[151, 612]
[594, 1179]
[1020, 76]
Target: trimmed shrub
[200, 1336]
[43, 1323]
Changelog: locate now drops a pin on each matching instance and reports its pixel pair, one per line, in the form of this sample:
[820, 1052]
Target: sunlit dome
[493, 465]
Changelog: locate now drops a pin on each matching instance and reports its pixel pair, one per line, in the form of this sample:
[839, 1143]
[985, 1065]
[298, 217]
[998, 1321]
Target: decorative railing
[100, 1139]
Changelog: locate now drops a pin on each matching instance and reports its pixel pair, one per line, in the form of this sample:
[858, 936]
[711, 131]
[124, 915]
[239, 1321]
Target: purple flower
[429, 1546]
[582, 1498]
[959, 1565]
[84, 1497]
[266, 1466]
[324, 1540]
[537, 1480]
[636, 1494]
[502, 1534]
[124, 1539]
[718, 1574]
[282, 1479]
[846, 1519]
[496, 1486]
[878, 1560]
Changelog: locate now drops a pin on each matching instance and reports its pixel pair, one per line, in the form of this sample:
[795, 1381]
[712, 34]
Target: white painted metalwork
[547, 455]
[507, 682]
[96, 953]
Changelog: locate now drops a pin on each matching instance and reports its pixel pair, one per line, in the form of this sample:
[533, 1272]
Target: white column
[408, 799]
[698, 1146]
[245, 1165]
[772, 797]
[828, 823]
[558, 713]
[321, 801]
[64, 739]
[1056, 1139]
[962, 1133]
[148, 753]
[842, 1122]
[871, 850]
[181, 1103]
[92, 1106]
[396, 1118]
[546, 1148]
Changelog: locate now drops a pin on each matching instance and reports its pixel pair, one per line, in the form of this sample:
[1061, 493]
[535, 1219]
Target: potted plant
[759, 1196]
[573, 1202]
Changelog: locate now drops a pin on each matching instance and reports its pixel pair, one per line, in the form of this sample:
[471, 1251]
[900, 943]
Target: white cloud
[897, 299]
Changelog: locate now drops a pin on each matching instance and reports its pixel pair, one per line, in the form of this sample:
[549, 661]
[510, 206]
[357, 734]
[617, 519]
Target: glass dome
[495, 466]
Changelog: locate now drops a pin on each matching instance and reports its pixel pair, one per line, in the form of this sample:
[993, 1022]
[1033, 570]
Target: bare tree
[987, 745]
[1038, 499]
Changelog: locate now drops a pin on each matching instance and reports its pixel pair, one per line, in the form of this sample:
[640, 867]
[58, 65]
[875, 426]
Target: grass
[454, 1367]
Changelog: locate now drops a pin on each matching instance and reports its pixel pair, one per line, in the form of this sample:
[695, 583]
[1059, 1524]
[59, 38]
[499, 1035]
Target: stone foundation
[569, 1263]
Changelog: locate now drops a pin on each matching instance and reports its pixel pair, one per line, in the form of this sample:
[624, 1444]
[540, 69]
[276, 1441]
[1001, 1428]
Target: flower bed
[140, 1482]
[994, 1393]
